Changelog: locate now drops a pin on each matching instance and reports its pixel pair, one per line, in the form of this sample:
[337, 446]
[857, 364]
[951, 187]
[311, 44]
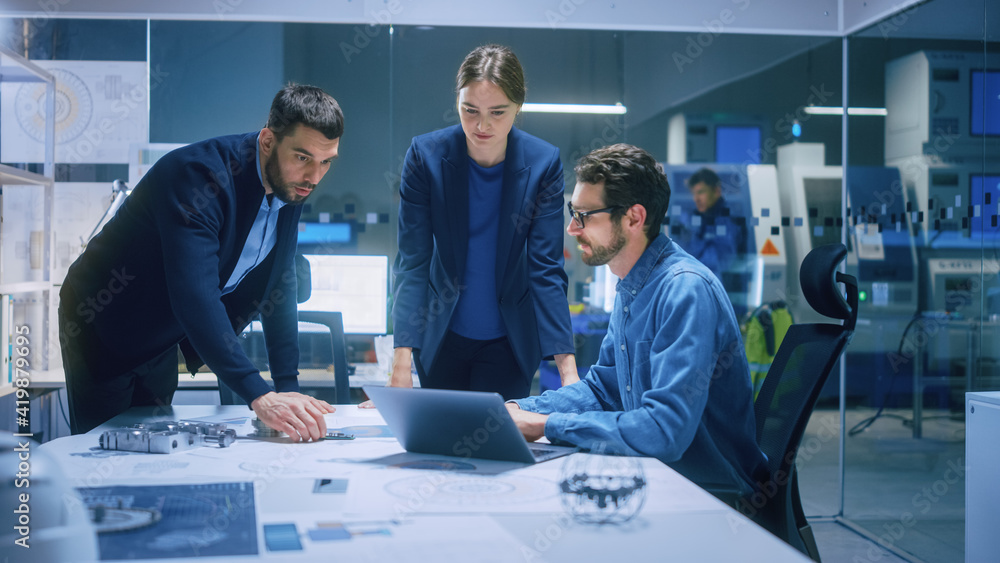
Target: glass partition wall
[908, 181]
[921, 183]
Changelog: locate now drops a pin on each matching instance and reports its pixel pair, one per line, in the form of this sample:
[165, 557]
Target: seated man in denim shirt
[671, 381]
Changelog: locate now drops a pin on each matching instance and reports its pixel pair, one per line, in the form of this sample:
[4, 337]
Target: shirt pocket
[641, 367]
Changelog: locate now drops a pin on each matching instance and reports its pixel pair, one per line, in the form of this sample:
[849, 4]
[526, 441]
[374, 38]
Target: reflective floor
[838, 543]
[906, 494]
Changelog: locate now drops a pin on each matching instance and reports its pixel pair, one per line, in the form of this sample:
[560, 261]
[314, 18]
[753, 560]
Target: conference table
[366, 499]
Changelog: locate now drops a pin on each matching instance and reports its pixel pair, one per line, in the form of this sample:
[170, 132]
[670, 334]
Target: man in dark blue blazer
[431, 265]
[204, 243]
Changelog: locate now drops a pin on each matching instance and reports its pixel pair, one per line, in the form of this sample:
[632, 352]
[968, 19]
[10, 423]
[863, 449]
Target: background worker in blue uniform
[479, 289]
[671, 380]
[715, 240]
[204, 243]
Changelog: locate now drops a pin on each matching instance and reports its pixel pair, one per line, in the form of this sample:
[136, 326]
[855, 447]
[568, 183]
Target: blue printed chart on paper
[172, 521]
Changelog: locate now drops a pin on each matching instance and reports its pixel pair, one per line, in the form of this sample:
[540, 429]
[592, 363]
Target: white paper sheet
[100, 109]
[470, 539]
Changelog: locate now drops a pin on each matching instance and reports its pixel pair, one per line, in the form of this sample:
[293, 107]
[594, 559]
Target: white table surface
[678, 521]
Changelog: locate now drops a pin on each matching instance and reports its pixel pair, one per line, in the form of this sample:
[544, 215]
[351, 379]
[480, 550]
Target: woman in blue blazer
[479, 286]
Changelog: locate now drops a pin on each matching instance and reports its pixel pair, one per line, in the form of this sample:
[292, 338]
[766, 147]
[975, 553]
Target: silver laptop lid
[470, 424]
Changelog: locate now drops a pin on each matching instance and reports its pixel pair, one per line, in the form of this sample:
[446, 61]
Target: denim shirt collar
[633, 282]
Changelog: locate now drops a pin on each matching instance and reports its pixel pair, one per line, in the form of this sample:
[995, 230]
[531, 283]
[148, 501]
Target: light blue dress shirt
[261, 238]
[671, 381]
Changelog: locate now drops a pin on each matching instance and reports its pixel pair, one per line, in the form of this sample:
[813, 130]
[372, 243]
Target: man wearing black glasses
[671, 380]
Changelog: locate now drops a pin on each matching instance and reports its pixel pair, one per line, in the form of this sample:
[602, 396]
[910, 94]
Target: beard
[283, 190]
[600, 255]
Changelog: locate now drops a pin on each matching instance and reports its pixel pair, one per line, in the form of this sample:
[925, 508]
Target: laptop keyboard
[541, 452]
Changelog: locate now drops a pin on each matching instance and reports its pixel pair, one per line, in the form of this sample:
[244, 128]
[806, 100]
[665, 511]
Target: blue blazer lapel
[248, 194]
[515, 213]
[455, 183]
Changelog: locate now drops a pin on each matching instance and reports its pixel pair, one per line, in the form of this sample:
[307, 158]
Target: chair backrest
[303, 277]
[335, 322]
[332, 320]
[805, 358]
[341, 390]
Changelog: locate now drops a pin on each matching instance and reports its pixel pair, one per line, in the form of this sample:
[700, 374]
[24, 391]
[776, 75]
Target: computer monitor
[325, 238]
[356, 286]
[984, 99]
[737, 144]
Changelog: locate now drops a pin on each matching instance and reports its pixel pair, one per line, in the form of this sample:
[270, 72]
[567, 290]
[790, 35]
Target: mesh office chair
[786, 400]
[333, 321]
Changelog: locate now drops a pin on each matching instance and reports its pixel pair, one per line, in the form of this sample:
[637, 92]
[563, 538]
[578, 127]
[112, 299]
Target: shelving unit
[17, 285]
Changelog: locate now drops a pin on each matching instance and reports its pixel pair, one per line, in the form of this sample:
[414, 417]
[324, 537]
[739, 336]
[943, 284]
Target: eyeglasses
[578, 216]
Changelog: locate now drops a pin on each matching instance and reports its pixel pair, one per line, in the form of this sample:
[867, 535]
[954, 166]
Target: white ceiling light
[616, 109]
[828, 110]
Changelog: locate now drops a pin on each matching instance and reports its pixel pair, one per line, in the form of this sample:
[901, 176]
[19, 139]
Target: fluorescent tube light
[616, 109]
[827, 110]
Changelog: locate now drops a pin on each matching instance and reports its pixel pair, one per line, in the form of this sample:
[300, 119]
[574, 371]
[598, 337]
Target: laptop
[470, 424]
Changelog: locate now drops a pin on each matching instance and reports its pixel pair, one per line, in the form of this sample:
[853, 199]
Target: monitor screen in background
[985, 101]
[737, 145]
[324, 233]
[356, 286]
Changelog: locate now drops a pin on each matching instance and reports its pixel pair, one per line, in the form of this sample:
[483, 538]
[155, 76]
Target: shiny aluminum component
[167, 436]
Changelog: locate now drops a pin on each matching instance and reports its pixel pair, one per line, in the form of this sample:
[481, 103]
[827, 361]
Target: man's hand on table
[531, 424]
[300, 416]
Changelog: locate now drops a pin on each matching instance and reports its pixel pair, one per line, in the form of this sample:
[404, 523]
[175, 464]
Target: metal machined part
[167, 436]
[142, 440]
